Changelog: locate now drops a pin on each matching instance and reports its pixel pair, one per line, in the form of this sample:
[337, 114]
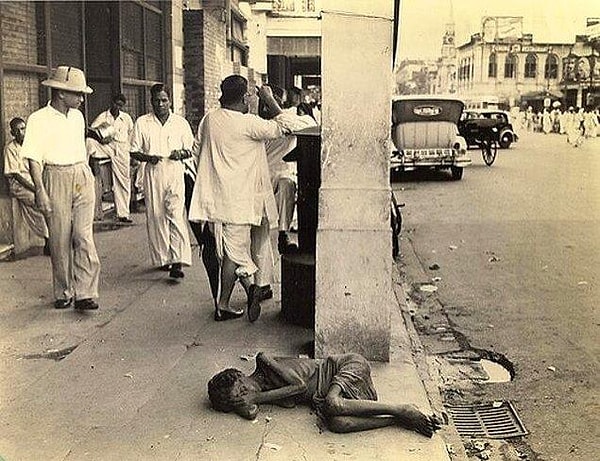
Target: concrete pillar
[353, 257]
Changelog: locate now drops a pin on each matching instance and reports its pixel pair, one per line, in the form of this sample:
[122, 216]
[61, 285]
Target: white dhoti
[249, 247]
[285, 197]
[262, 253]
[120, 172]
[166, 221]
[27, 209]
[233, 241]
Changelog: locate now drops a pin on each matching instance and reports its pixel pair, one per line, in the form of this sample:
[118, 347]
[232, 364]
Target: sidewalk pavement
[132, 383]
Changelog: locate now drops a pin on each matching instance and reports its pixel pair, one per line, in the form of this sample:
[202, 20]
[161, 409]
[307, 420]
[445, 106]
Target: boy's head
[17, 129]
[226, 388]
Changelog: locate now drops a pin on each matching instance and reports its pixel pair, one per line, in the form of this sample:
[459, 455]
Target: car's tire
[457, 172]
[505, 140]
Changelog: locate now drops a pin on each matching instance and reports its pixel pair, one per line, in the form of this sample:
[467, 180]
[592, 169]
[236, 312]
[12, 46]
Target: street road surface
[518, 246]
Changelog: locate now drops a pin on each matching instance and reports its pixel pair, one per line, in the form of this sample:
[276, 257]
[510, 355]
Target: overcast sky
[422, 21]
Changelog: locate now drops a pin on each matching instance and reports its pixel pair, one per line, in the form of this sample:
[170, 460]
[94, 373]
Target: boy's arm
[295, 385]
[23, 181]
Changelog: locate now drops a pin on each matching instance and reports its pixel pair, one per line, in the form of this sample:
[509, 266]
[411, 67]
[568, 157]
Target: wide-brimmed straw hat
[69, 79]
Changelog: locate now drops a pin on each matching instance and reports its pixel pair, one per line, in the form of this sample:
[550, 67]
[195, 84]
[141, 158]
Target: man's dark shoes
[221, 316]
[265, 292]
[165, 268]
[86, 304]
[253, 303]
[63, 303]
[125, 220]
[284, 245]
[176, 272]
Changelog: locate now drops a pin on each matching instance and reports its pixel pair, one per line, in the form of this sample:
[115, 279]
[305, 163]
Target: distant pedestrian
[116, 148]
[162, 140]
[546, 122]
[574, 127]
[21, 187]
[65, 188]
[590, 124]
[529, 119]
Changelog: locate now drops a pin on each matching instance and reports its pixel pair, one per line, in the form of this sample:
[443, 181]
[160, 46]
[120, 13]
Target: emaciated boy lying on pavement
[339, 388]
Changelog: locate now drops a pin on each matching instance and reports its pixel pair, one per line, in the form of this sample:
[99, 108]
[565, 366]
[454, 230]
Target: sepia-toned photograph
[299, 230]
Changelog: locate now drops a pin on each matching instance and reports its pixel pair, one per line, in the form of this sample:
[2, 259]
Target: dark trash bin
[298, 269]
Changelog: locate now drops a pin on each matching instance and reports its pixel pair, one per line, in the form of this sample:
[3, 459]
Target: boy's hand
[244, 400]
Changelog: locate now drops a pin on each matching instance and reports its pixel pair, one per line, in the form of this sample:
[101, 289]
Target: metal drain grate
[497, 420]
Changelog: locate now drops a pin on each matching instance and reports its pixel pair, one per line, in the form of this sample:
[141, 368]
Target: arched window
[492, 66]
[530, 66]
[551, 67]
[510, 66]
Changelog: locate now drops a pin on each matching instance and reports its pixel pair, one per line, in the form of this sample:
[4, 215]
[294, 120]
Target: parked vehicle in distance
[473, 122]
[425, 134]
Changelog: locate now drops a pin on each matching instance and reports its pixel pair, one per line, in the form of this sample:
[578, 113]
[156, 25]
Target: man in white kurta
[284, 177]
[117, 149]
[233, 191]
[162, 140]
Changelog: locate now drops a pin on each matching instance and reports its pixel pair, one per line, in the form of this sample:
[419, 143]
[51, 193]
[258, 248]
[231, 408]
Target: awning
[541, 95]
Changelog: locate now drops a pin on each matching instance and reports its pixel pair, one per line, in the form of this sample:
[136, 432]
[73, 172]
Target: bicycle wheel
[488, 151]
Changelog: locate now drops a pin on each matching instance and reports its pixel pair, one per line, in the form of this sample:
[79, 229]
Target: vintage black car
[476, 124]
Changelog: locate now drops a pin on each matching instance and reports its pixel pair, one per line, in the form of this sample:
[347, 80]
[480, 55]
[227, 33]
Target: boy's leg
[406, 416]
[346, 424]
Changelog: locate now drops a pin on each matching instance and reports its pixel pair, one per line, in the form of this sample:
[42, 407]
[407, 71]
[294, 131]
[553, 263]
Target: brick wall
[18, 23]
[217, 63]
[19, 32]
[207, 60]
[193, 51]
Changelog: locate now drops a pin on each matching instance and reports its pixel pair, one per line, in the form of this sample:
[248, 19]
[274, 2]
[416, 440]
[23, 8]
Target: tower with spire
[447, 62]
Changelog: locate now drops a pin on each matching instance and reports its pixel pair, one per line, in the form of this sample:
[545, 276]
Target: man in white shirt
[65, 188]
[162, 140]
[283, 174]
[233, 191]
[115, 147]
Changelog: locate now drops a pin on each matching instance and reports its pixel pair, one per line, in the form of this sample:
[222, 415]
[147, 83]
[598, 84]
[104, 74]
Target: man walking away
[233, 191]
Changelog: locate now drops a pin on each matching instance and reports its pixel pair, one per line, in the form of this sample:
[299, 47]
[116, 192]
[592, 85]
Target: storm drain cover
[497, 420]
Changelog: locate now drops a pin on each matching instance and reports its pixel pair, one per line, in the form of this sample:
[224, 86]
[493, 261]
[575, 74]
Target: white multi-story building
[501, 62]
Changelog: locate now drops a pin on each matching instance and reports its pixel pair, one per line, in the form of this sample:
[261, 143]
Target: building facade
[502, 66]
[294, 45]
[125, 46]
[504, 63]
